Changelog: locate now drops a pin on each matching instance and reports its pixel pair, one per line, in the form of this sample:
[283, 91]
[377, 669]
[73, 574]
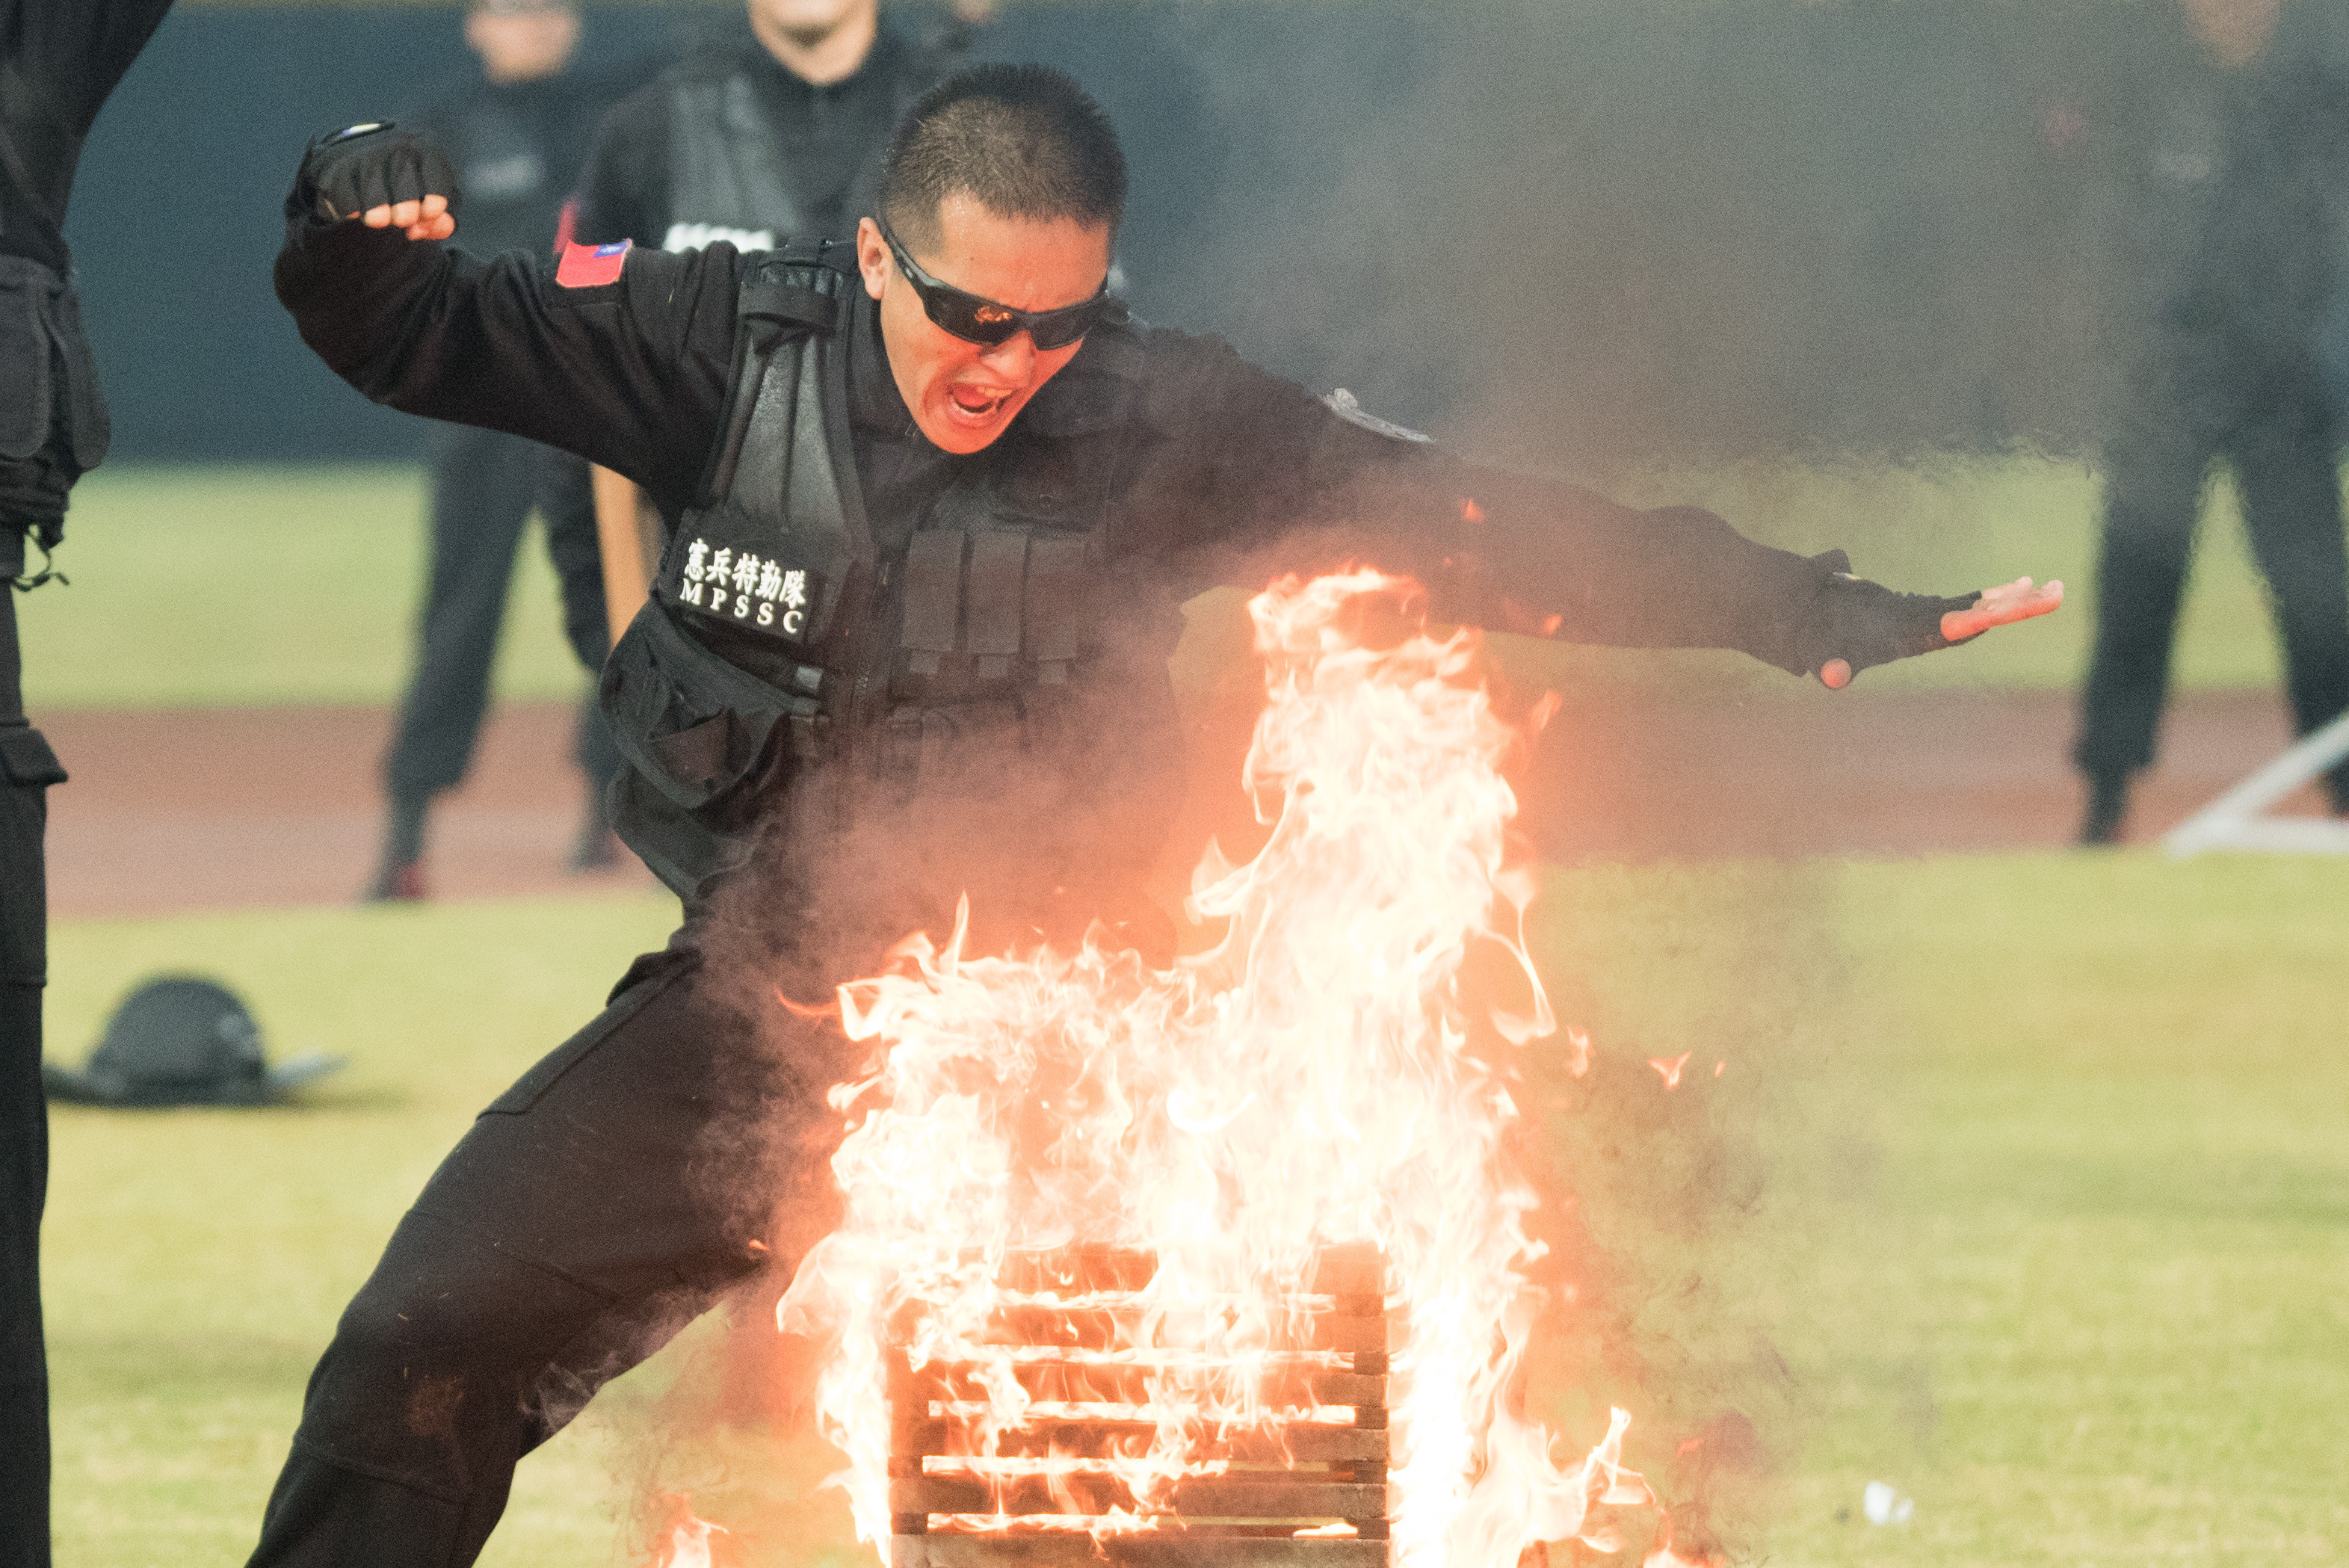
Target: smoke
[1600, 234]
[1603, 237]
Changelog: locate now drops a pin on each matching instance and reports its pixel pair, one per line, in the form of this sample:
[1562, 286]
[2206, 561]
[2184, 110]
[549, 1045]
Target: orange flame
[692, 1541]
[1327, 1075]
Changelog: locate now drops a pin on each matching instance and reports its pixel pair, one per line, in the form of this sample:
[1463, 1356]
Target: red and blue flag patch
[591, 266]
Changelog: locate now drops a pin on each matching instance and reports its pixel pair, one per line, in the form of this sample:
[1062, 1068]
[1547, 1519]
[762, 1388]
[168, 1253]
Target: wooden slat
[1153, 1549]
[1128, 1382]
[1265, 1495]
[1303, 1443]
[1271, 1495]
[1017, 1496]
[1347, 1388]
[1317, 1444]
[1077, 1268]
[1352, 1269]
[1122, 1326]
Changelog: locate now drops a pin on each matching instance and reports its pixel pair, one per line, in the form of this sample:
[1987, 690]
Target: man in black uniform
[933, 505]
[60, 67]
[516, 133]
[2230, 212]
[779, 134]
[62, 59]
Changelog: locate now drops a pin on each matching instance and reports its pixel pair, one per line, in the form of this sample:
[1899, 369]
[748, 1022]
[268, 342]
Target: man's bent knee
[436, 1373]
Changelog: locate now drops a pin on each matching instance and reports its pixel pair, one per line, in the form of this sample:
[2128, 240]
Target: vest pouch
[44, 355]
[692, 725]
[991, 610]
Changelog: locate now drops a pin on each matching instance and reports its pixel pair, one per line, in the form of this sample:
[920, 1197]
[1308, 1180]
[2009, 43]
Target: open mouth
[976, 404]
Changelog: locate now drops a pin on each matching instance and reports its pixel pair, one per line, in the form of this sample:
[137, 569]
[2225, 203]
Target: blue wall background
[1580, 229]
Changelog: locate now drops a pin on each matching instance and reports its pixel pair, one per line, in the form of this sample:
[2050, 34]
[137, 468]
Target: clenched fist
[385, 177]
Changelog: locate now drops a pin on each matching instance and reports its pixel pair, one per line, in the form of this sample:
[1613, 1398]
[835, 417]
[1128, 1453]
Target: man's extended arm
[1509, 551]
[630, 373]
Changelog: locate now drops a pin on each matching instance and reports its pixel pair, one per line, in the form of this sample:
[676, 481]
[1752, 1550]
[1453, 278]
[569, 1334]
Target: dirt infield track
[203, 810]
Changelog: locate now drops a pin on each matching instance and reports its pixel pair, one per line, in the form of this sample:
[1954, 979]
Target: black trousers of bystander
[484, 487]
[2201, 396]
[27, 770]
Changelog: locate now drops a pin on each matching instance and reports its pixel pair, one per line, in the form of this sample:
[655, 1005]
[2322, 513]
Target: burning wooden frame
[1299, 1481]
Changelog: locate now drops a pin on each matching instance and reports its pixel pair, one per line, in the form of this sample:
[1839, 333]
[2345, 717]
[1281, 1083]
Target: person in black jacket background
[755, 137]
[518, 132]
[63, 57]
[2227, 205]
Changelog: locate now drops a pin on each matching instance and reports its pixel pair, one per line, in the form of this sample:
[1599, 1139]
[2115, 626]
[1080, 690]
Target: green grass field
[228, 586]
[2024, 1189]
[224, 587]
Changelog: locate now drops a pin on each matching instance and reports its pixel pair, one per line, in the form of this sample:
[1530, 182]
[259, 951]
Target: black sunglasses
[977, 320]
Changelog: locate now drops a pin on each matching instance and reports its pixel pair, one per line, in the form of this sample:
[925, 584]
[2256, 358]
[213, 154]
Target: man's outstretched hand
[385, 178]
[1999, 606]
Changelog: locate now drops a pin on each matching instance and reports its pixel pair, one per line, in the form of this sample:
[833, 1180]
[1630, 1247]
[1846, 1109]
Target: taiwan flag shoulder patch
[591, 266]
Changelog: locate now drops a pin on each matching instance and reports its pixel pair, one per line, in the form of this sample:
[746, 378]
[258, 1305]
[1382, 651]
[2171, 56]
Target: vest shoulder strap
[800, 286]
[786, 298]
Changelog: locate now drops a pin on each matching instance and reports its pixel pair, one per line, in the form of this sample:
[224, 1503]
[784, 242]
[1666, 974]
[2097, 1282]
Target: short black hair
[1025, 141]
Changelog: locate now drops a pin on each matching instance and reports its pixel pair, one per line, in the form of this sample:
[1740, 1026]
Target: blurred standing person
[63, 58]
[775, 135]
[2236, 166]
[518, 132]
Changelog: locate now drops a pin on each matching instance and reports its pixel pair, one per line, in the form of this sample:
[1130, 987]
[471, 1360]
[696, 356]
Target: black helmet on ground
[180, 1040]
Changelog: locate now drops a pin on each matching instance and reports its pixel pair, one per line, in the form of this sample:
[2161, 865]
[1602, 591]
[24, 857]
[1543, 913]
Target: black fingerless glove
[373, 165]
[1866, 623]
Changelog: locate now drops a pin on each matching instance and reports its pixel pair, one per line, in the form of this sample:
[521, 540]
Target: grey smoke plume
[1595, 232]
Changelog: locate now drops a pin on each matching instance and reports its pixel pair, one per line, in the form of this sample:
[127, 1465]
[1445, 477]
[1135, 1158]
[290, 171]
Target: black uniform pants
[2275, 425]
[23, 1114]
[484, 485]
[592, 1211]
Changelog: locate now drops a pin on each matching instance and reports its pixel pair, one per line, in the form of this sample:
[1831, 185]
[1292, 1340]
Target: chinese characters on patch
[744, 587]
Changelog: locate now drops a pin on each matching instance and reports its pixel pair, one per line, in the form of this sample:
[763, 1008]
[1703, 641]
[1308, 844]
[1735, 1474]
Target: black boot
[399, 878]
[2107, 805]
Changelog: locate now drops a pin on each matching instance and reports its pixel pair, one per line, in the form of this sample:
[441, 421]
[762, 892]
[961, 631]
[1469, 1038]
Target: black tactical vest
[729, 177]
[778, 639]
[725, 178]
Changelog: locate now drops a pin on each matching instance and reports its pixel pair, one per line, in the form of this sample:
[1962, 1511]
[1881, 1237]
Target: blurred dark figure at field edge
[2234, 164]
[518, 130]
[62, 58]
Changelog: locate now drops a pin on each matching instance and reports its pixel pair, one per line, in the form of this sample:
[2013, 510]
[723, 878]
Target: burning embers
[1222, 1262]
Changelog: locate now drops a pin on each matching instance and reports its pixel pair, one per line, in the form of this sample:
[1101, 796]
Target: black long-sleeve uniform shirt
[633, 375]
[1217, 471]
